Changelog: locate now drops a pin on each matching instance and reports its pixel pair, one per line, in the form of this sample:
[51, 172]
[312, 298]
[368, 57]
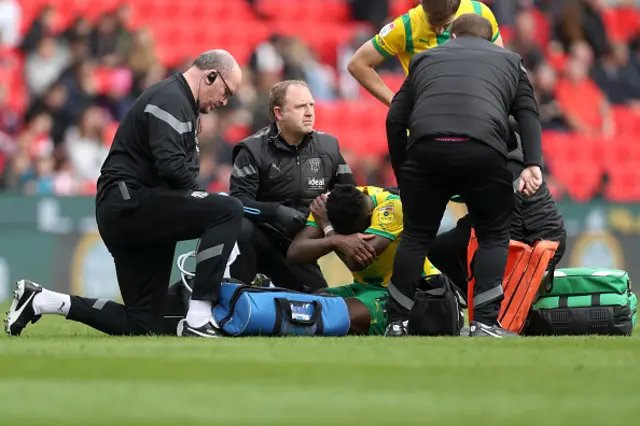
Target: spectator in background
[104, 40]
[53, 103]
[584, 105]
[79, 30]
[142, 57]
[123, 33]
[81, 88]
[349, 86]
[373, 11]
[44, 66]
[617, 77]
[524, 42]
[320, 77]
[33, 142]
[581, 20]
[551, 116]
[42, 27]
[84, 145]
[116, 99]
[10, 20]
[9, 118]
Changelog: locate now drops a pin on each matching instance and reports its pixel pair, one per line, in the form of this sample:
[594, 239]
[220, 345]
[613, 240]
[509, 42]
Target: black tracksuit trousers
[140, 227]
[535, 218]
[432, 173]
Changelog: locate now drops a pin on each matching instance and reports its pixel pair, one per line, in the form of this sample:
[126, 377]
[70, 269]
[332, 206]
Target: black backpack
[437, 308]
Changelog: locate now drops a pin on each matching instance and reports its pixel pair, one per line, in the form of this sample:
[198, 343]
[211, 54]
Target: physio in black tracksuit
[148, 200]
[456, 102]
[534, 218]
[277, 173]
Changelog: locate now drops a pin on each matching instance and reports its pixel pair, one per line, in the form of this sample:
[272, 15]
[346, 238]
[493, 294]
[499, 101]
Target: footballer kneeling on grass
[363, 226]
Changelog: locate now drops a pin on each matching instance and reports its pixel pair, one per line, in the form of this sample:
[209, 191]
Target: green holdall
[585, 301]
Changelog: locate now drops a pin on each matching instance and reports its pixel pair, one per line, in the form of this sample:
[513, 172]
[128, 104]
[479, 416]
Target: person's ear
[278, 113]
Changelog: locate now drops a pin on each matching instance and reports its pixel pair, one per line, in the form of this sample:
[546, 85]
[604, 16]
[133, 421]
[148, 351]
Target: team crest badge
[314, 163]
[385, 215]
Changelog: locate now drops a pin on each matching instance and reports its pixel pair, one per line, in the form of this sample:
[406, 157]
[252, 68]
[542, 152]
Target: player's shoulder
[383, 199]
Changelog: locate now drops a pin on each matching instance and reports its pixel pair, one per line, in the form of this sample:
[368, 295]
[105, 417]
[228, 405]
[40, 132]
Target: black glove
[290, 218]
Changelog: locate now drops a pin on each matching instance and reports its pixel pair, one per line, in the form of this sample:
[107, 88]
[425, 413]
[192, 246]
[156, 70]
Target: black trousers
[432, 173]
[141, 227]
[535, 218]
[263, 252]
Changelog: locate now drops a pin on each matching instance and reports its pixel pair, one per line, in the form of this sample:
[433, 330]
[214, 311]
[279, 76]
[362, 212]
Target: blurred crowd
[54, 140]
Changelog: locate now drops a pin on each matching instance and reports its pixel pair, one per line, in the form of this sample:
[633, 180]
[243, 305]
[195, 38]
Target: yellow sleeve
[391, 39]
[311, 221]
[487, 13]
[386, 220]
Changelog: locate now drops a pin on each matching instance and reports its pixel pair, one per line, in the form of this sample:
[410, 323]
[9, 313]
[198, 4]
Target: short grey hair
[218, 59]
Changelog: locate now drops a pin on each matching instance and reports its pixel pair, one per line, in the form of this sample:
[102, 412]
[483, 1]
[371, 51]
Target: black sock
[111, 317]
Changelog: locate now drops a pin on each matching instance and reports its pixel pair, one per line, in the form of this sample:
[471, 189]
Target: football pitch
[62, 373]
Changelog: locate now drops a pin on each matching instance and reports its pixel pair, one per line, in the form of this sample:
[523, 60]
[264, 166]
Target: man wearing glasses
[147, 201]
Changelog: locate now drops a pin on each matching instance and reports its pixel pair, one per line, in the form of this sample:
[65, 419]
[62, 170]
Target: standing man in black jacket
[534, 218]
[277, 173]
[456, 102]
[147, 201]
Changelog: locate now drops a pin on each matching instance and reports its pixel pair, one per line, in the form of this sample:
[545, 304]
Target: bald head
[217, 59]
[214, 77]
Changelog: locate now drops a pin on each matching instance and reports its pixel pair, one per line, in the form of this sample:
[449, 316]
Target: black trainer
[21, 311]
[207, 330]
[397, 329]
[478, 329]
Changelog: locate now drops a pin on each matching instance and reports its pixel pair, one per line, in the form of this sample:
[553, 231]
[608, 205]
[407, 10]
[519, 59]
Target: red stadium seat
[624, 184]
[622, 22]
[308, 10]
[622, 151]
[626, 120]
[393, 81]
[581, 178]
[543, 30]
[400, 7]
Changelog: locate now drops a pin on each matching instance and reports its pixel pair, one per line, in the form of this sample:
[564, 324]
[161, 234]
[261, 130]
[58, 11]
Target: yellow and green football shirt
[386, 221]
[411, 33]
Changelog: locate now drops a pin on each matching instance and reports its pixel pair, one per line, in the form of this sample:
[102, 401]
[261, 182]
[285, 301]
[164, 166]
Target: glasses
[227, 92]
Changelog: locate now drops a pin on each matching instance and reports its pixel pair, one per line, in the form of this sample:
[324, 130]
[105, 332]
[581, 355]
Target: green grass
[62, 373]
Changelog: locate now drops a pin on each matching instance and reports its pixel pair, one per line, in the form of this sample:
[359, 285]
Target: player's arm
[311, 244]
[386, 226]
[386, 44]
[166, 127]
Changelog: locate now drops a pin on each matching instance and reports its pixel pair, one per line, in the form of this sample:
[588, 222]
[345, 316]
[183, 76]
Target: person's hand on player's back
[530, 180]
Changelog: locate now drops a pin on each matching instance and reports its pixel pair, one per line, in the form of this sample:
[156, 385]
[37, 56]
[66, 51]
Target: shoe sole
[12, 314]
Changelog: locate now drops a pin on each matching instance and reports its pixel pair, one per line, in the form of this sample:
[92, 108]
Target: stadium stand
[76, 65]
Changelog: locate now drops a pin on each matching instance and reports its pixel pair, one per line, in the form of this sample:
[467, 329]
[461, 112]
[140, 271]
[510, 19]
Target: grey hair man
[147, 201]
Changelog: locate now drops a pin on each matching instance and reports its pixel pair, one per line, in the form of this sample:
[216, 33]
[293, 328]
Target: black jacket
[268, 172]
[466, 87]
[155, 145]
